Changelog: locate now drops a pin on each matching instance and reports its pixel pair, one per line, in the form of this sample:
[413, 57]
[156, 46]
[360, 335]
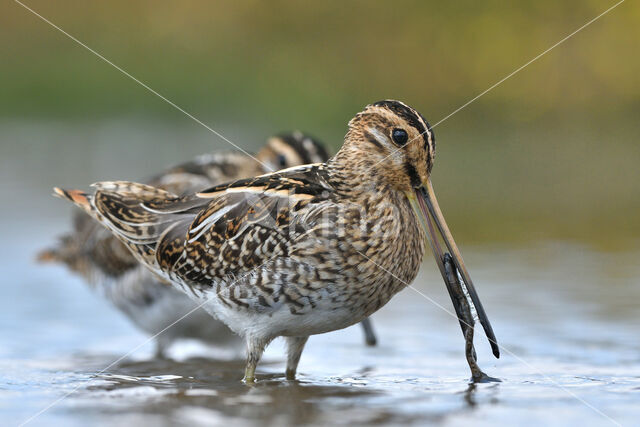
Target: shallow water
[565, 314]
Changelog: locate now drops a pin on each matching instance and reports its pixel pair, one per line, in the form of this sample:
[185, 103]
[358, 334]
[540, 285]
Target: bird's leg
[161, 347]
[255, 348]
[295, 345]
[369, 335]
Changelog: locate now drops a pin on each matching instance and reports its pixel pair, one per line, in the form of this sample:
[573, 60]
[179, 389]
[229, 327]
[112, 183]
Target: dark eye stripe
[412, 117]
[372, 139]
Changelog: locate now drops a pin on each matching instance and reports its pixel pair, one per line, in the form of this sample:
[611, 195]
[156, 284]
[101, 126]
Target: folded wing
[219, 233]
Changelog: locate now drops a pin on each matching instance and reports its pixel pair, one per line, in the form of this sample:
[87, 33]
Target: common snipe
[302, 251]
[108, 266]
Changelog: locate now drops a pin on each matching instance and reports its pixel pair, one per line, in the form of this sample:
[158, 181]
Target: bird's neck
[401, 241]
[354, 173]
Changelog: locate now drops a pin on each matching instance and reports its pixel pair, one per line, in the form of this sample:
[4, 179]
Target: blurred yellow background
[552, 153]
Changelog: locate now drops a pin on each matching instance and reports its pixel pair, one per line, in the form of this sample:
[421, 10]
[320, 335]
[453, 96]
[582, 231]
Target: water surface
[564, 314]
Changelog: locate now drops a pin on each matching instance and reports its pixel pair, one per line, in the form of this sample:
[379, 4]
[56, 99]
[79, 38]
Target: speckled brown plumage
[150, 302]
[294, 253]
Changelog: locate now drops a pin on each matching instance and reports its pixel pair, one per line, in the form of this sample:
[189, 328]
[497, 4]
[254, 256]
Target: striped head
[390, 141]
[291, 149]
[391, 146]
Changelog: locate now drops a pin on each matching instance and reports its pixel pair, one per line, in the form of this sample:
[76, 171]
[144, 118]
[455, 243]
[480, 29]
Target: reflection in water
[469, 395]
[203, 386]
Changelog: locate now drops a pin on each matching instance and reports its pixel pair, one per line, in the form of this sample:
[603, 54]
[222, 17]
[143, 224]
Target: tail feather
[78, 197]
[66, 248]
[122, 206]
[133, 189]
[68, 251]
[48, 255]
[134, 213]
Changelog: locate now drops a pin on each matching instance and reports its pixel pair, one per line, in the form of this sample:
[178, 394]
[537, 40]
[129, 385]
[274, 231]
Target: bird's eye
[282, 160]
[399, 136]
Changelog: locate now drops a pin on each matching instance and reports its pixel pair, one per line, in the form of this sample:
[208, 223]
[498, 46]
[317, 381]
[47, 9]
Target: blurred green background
[552, 153]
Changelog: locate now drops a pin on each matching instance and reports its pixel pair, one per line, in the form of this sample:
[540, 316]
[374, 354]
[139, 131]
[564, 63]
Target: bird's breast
[363, 253]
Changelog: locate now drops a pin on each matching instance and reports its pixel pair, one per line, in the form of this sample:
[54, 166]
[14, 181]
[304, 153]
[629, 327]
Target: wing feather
[225, 231]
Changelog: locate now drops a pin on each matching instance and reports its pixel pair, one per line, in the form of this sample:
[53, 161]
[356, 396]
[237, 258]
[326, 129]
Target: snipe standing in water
[106, 264]
[299, 252]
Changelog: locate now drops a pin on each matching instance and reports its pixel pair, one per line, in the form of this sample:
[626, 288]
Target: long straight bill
[426, 208]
